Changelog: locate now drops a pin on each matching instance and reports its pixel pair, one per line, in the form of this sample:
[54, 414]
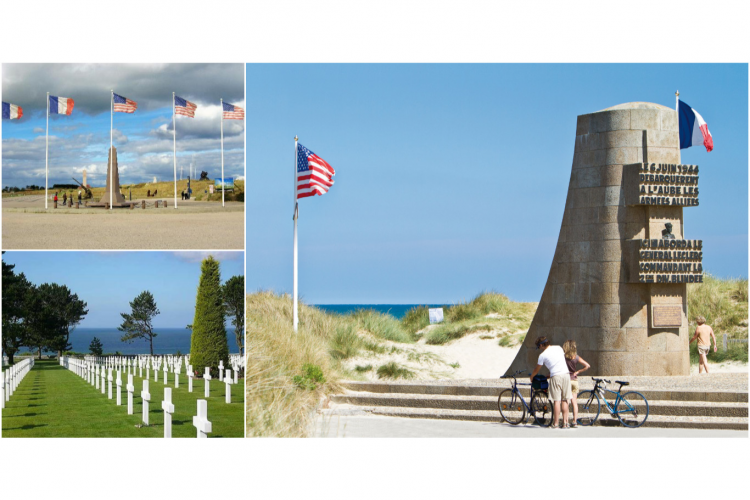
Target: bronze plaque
[667, 316]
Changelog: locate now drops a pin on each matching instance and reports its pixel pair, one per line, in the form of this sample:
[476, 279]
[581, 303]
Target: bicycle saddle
[621, 382]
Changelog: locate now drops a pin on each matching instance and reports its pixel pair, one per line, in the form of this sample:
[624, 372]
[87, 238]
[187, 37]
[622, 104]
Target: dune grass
[724, 304]
[393, 370]
[382, 326]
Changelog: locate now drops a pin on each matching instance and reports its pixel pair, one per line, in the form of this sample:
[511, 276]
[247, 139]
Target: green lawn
[52, 401]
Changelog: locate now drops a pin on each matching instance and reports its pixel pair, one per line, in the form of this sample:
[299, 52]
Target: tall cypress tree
[208, 344]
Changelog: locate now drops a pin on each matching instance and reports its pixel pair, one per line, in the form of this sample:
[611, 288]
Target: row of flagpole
[225, 108]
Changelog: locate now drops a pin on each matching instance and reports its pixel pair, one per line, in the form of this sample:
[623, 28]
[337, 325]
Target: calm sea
[396, 310]
[167, 341]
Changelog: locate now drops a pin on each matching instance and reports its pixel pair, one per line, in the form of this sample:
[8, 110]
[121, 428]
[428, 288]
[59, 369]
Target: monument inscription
[670, 261]
[661, 184]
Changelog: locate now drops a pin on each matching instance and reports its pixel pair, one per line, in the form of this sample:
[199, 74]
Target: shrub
[311, 378]
[447, 332]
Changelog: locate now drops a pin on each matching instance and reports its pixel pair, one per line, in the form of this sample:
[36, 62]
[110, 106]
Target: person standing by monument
[79, 196]
[703, 334]
[572, 359]
[553, 358]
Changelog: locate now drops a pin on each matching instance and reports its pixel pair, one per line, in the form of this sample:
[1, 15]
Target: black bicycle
[631, 408]
[514, 409]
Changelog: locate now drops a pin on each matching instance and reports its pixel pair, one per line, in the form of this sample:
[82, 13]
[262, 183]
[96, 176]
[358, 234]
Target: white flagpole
[222, 151]
[46, 159]
[174, 147]
[296, 215]
[677, 104]
[111, 160]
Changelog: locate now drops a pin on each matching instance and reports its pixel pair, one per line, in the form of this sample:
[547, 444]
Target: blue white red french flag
[314, 174]
[11, 111]
[693, 128]
[60, 105]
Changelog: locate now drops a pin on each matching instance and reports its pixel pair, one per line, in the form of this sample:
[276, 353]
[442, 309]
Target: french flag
[11, 111]
[693, 128]
[60, 105]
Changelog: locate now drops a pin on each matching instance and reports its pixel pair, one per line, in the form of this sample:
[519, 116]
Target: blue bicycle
[631, 408]
[513, 407]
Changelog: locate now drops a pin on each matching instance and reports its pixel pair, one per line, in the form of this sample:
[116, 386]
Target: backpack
[539, 383]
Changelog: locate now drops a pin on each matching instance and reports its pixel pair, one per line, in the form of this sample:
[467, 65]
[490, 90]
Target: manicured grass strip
[52, 401]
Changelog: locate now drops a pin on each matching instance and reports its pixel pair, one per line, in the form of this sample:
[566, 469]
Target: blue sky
[108, 281]
[143, 139]
[451, 179]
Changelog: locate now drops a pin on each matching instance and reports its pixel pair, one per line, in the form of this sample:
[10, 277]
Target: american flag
[184, 107]
[314, 174]
[232, 112]
[123, 104]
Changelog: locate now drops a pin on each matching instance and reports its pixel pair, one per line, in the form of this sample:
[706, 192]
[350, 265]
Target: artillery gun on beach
[88, 194]
[204, 176]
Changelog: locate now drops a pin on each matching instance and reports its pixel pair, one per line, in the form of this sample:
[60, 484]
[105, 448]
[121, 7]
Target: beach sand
[194, 225]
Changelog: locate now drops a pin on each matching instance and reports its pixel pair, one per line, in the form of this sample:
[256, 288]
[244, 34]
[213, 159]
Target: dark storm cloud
[150, 85]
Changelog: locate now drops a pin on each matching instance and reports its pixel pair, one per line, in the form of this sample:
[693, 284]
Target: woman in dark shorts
[572, 359]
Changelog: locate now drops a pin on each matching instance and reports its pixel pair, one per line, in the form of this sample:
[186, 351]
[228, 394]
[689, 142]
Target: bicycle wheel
[541, 408]
[632, 409]
[511, 407]
[589, 407]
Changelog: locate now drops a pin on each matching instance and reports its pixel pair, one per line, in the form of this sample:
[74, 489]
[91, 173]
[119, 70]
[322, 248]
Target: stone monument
[119, 199]
[618, 281]
[85, 180]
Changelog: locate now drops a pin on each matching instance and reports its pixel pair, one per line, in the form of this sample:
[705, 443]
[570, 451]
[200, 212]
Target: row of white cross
[10, 378]
[93, 373]
[166, 363]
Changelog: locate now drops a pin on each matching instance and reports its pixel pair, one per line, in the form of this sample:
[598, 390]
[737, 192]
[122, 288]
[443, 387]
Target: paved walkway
[368, 426]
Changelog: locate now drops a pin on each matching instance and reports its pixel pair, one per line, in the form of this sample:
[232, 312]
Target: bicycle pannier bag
[539, 383]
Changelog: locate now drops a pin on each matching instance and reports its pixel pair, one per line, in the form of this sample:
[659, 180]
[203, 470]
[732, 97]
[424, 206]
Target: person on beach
[65, 199]
[553, 358]
[572, 359]
[79, 196]
[703, 334]
[55, 199]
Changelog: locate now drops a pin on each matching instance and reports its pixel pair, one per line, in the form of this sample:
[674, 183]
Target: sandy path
[194, 225]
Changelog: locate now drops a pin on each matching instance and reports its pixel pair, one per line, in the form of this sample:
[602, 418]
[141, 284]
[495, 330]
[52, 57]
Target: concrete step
[446, 389]
[665, 421]
[489, 404]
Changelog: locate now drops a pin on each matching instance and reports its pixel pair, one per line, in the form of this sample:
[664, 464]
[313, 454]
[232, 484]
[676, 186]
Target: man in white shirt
[553, 357]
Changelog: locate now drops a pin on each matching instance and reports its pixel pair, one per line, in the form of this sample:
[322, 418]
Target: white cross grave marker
[190, 375]
[168, 408]
[96, 376]
[206, 381]
[119, 388]
[130, 388]
[200, 421]
[228, 383]
[146, 397]
[236, 372]
[166, 370]
[104, 383]
[221, 370]
[109, 383]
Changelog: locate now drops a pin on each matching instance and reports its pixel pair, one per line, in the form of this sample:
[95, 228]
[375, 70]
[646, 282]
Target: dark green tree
[70, 311]
[208, 343]
[234, 304]
[95, 347]
[16, 291]
[137, 324]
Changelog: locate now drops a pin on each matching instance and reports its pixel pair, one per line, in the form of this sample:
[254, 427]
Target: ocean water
[167, 341]
[396, 310]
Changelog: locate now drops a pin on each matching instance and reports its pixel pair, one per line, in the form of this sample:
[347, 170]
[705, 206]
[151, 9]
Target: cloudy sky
[143, 139]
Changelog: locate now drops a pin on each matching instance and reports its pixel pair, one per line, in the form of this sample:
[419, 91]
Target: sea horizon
[398, 311]
[167, 341]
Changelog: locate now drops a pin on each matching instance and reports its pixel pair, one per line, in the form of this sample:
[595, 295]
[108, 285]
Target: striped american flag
[123, 104]
[314, 174]
[184, 107]
[232, 112]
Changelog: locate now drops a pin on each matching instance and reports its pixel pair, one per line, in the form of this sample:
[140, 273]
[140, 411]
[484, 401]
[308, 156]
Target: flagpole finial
[295, 138]
[677, 93]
